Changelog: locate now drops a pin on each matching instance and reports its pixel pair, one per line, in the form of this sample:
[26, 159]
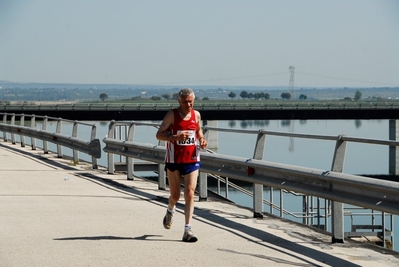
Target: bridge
[54, 213]
[234, 110]
[331, 185]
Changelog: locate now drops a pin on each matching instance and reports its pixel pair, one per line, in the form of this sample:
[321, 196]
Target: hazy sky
[209, 42]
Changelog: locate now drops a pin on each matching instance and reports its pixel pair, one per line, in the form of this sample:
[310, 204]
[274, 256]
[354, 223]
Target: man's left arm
[200, 135]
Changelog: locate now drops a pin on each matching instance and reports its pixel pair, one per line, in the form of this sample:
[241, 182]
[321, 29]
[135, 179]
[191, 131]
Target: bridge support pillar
[393, 150]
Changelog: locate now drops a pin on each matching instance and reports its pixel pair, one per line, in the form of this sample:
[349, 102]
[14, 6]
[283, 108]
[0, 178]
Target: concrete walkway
[56, 214]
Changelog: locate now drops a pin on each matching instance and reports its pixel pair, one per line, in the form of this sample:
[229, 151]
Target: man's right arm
[163, 132]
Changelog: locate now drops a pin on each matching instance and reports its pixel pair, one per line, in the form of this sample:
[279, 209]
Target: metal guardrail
[27, 129]
[356, 190]
[332, 185]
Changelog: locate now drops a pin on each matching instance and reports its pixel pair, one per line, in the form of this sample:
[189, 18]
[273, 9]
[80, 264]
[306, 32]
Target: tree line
[243, 94]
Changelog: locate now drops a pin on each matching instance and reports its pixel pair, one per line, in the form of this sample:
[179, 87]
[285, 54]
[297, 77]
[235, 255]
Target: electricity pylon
[291, 86]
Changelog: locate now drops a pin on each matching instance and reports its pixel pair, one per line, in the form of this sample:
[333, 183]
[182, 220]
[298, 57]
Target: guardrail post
[94, 161]
[129, 160]
[32, 125]
[12, 134]
[203, 176]
[22, 123]
[44, 128]
[75, 134]
[110, 156]
[393, 150]
[258, 188]
[203, 186]
[58, 130]
[161, 177]
[338, 207]
[5, 122]
[161, 172]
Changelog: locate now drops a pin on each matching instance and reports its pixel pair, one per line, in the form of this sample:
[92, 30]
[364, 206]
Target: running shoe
[189, 236]
[168, 220]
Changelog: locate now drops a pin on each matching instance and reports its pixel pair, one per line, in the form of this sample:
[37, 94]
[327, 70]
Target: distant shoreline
[38, 92]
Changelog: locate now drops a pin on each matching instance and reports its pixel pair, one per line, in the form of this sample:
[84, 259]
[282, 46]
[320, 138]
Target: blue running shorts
[183, 168]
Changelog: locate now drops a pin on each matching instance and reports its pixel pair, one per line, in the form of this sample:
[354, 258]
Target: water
[312, 153]
[360, 158]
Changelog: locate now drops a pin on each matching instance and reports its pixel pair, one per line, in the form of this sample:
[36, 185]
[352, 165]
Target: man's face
[186, 103]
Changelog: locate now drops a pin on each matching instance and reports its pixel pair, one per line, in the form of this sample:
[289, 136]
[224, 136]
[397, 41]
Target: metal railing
[21, 125]
[312, 185]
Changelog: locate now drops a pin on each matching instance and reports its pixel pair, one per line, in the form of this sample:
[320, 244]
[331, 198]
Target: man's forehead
[187, 98]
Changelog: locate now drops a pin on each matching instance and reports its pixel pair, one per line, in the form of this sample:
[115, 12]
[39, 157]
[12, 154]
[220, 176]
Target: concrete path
[55, 214]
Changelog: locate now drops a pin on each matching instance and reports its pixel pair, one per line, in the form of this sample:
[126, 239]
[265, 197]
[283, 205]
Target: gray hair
[186, 92]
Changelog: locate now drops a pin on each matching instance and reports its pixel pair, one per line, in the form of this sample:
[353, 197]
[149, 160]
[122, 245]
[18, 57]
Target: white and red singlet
[183, 151]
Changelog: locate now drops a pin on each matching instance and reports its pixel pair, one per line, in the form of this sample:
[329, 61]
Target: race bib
[190, 141]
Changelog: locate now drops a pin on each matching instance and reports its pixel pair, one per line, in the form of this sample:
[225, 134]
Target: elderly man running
[181, 128]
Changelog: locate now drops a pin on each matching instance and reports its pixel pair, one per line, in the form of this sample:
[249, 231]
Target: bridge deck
[96, 219]
[156, 113]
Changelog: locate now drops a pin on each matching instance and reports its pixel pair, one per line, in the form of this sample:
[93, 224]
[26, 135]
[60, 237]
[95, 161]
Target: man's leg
[190, 183]
[174, 179]
[174, 188]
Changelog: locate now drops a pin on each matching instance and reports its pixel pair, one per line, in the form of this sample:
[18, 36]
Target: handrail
[332, 185]
[370, 193]
[310, 136]
[249, 193]
[328, 184]
[91, 147]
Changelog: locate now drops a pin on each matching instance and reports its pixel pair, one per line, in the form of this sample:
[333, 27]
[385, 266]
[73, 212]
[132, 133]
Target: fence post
[161, 171]
[110, 156]
[75, 134]
[12, 134]
[203, 186]
[258, 188]
[22, 123]
[92, 137]
[203, 176]
[44, 128]
[5, 122]
[58, 130]
[338, 207]
[129, 160]
[393, 150]
[32, 125]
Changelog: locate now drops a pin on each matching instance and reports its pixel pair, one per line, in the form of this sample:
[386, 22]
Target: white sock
[171, 210]
[187, 227]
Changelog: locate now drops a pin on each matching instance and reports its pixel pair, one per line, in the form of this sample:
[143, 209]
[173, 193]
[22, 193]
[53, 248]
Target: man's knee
[175, 196]
[189, 195]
